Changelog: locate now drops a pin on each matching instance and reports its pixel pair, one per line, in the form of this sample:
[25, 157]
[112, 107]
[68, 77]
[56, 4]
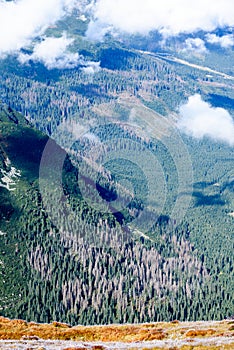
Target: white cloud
[91, 67]
[97, 30]
[224, 41]
[169, 16]
[22, 20]
[53, 53]
[197, 45]
[199, 119]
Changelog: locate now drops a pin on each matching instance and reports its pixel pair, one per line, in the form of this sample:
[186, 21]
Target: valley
[116, 184]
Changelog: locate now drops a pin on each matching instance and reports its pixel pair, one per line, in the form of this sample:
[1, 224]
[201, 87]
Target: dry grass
[200, 332]
[19, 329]
[202, 347]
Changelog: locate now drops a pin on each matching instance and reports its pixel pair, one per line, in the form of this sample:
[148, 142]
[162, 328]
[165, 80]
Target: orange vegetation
[19, 329]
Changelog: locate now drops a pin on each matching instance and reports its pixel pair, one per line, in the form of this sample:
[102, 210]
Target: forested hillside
[71, 276]
[110, 213]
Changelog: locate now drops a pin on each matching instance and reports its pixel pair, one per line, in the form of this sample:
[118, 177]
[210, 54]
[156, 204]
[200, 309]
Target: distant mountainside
[52, 269]
[20, 151]
[109, 211]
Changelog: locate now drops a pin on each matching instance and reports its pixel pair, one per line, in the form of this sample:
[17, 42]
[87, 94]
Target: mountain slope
[137, 225]
[71, 262]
